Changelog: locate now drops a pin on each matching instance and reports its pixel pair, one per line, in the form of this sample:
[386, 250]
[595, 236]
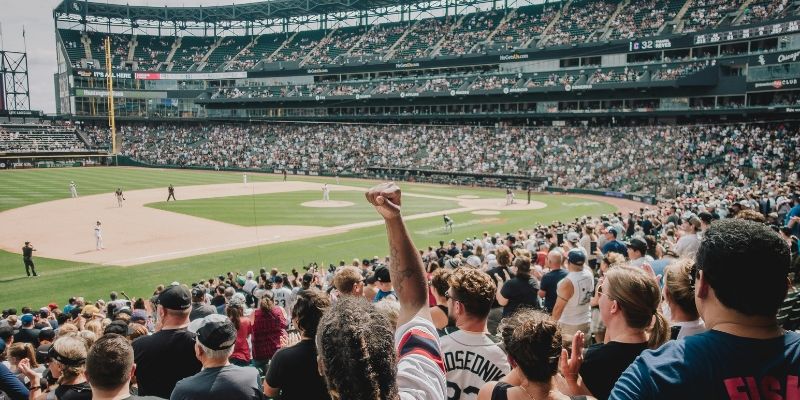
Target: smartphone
[592, 247]
[560, 237]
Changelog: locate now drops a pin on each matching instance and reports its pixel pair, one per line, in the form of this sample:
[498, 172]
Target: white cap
[474, 261]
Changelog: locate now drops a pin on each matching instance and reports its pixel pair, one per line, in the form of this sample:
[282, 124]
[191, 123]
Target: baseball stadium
[579, 175]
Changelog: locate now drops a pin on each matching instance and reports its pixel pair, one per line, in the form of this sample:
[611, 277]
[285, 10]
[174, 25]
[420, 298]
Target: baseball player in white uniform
[98, 236]
[120, 196]
[73, 190]
[244, 178]
[325, 192]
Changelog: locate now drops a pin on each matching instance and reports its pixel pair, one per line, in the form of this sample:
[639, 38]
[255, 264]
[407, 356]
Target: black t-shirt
[27, 252]
[28, 335]
[217, 301]
[549, 284]
[603, 364]
[520, 293]
[293, 370]
[81, 391]
[228, 382]
[163, 359]
[502, 271]
[452, 252]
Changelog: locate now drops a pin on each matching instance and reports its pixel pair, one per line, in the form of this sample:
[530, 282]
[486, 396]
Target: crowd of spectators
[661, 159]
[705, 14]
[765, 10]
[594, 307]
[579, 23]
[40, 138]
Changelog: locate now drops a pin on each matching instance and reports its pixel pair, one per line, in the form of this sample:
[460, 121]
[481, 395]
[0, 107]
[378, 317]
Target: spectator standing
[629, 306]
[573, 309]
[689, 242]
[200, 308]
[27, 332]
[219, 379]
[549, 286]
[469, 347]
[293, 372]
[679, 297]
[358, 357]
[109, 369]
[167, 356]
[269, 326]
[520, 291]
[241, 355]
[745, 349]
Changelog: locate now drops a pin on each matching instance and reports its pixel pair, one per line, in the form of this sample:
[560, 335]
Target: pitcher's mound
[326, 204]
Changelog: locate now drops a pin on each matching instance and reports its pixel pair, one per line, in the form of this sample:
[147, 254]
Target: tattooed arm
[405, 267]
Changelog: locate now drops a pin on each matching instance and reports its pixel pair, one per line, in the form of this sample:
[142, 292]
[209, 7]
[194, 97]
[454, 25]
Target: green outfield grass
[286, 208]
[61, 279]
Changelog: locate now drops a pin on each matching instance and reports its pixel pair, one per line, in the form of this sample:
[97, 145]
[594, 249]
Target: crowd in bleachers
[594, 307]
[39, 138]
[474, 33]
[662, 158]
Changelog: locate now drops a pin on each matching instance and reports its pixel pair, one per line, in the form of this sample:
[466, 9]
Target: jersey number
[457, 391]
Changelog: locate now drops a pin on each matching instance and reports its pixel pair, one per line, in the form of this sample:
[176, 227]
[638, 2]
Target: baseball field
[220, 224]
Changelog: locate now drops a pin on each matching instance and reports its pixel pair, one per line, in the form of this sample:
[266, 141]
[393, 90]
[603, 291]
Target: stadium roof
[254, 11]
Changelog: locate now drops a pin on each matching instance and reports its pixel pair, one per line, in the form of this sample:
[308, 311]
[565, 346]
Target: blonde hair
[66, 328]
[678, 286]
[74, 347]
[504, 256]
[639, 296]
[95, 326]
[346, 279]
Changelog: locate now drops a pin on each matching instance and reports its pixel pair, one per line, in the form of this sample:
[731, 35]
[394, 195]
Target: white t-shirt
[249, 286]
[578, 310]
[283, 297]
[420, 368]
[687, 245]
[471, 360]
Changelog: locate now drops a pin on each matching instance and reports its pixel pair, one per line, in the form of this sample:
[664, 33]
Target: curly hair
[533, 342]
[308, 310]
[750, 215]
[356, 346]
[473, 288]
[439, 281]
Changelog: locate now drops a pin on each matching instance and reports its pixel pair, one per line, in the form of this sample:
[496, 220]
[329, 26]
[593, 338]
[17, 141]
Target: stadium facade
[593, 60]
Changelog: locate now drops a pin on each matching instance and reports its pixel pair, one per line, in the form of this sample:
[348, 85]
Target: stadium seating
[706, 14]
[336, 44]
[526, 24]
[643, 18]
[759, 11]
[150, 51]
[264, 46]
[40, 139]
[375, 44]
[580, 22]
[192, 51]
[226, 51]
[472, 29]
[419, 42]
[298, 46]
[73, 45]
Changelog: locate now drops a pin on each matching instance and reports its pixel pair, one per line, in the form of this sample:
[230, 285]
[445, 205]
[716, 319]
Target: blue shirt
[382, 295]
[550, 286]
[715, 365]
[11, 385]
[794, 212]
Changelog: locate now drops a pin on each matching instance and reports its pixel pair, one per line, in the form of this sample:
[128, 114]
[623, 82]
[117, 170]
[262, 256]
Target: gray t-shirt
[200, 310]
[229, 382]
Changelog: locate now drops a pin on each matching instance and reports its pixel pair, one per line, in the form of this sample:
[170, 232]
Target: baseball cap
[26, 319]
[612, 230]
[474, 261]
[215, 331]
[638, 244]
[576, 256]
[176, 297]
[382, 274]
[52, 306]
[573, 237]
[308, 277]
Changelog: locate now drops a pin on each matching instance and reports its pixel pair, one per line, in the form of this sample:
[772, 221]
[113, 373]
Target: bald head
[555, 259]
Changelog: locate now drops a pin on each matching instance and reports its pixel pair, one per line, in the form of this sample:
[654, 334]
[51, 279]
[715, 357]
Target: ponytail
[659, 332]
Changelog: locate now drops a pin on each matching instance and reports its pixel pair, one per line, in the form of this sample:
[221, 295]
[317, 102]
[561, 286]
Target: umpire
[27, 257]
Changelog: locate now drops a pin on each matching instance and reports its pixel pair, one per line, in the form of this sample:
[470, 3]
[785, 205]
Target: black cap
[308, 277]
[382, 274]
[638, 245]
[198, 292]
[215, 331]
[175, 297]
